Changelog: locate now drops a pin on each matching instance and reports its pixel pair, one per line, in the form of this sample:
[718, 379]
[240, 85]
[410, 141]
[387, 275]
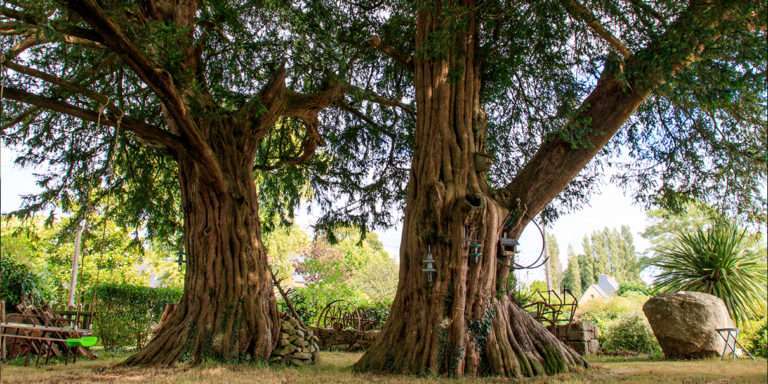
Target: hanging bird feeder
[429, 265]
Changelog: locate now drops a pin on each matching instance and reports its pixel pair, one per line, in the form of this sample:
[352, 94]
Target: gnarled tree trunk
[228, 310]
[459, 324]
[462, 323]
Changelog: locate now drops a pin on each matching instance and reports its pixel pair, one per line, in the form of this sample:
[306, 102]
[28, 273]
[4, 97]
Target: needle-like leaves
[718, 260]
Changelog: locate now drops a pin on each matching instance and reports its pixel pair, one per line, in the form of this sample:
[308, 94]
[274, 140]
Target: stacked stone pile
[581, 336]
[297, 345]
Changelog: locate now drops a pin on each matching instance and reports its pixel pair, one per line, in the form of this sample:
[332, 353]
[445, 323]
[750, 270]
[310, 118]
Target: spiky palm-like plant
[718, 260]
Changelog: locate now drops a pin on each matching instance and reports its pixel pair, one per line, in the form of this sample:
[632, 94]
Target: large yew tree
[553, 82]
[161, 114]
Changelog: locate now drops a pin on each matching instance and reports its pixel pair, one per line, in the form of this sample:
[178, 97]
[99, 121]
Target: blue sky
[609, 208]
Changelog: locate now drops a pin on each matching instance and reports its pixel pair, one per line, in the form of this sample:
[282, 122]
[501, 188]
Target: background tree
[629, 260]
[572, 275]
[554, 268]
[285, 244]
[360, 273]
[478, 71]
[600, 245]
[667, 223]
[586, 264]
[609, 251]
[111, 255]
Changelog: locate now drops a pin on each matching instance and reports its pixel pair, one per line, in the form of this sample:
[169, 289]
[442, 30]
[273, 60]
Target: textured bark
[459, 324]
[228, 309]
[463, 323]
[75, 266]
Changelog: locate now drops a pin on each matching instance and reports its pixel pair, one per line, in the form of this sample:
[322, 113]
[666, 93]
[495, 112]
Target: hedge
[125, 314]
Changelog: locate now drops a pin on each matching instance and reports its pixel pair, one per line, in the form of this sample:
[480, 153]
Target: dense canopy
[202, 121]
[701, 135]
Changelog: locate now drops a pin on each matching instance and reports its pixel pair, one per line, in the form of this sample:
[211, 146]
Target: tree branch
[610, 104]
[157, 79]
[308, 147]
[578, 11]
[641, 5]
[21, 116]
[378, 99]
[392, 52]
[151, 134]
[305, 107]
[73, 33]
[101, 99]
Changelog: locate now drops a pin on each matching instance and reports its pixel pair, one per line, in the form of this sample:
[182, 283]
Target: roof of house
[606, 286]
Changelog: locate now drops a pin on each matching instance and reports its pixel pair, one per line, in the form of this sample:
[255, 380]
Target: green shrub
[621, 323]
[310, 301]
[633, 288]
[630, 334]
[759, 343]
[18, 282]
[603, 312]
[125, 313]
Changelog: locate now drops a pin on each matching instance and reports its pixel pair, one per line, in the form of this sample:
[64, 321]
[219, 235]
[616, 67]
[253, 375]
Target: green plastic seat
[86, 341]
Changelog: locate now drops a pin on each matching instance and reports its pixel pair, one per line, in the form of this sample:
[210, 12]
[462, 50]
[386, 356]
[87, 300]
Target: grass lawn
[334, 367]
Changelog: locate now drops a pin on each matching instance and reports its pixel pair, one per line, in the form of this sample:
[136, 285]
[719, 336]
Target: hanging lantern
[475, 251]
[508, 245]
[429, 265]
[180, 259]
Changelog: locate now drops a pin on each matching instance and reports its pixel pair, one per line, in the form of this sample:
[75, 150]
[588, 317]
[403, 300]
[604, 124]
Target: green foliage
[721, 260]
[572, 274]
[109, 254]
[758, 344]
[607, 251]
[630, 333]
[125, 314]
[633, 288]
[353, 269]
[666, 223]
[614, 314]
[349, 265]
[284, 245]
[554, 268]
[18, 282]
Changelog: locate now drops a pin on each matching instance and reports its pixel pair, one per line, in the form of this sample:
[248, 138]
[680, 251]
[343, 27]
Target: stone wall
[344, 339]
[298, 345]
[581, 336]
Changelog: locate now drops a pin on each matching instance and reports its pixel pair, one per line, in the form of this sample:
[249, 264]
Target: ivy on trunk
[463, 323]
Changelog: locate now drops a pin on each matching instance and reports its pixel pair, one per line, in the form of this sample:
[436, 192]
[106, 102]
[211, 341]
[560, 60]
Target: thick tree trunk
[228, 310]
[459, 324]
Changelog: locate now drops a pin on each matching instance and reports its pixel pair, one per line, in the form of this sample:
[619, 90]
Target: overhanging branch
[610, 104]
[400, 57]
[582, 13]
[64, 84]
[157, 79]
[382, 100]
[72, 34]
[149, 133]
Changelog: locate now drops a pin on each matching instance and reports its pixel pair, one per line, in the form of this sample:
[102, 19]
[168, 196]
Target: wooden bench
[41, 339]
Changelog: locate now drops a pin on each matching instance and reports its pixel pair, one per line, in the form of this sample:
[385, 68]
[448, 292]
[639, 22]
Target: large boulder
[685, 324]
